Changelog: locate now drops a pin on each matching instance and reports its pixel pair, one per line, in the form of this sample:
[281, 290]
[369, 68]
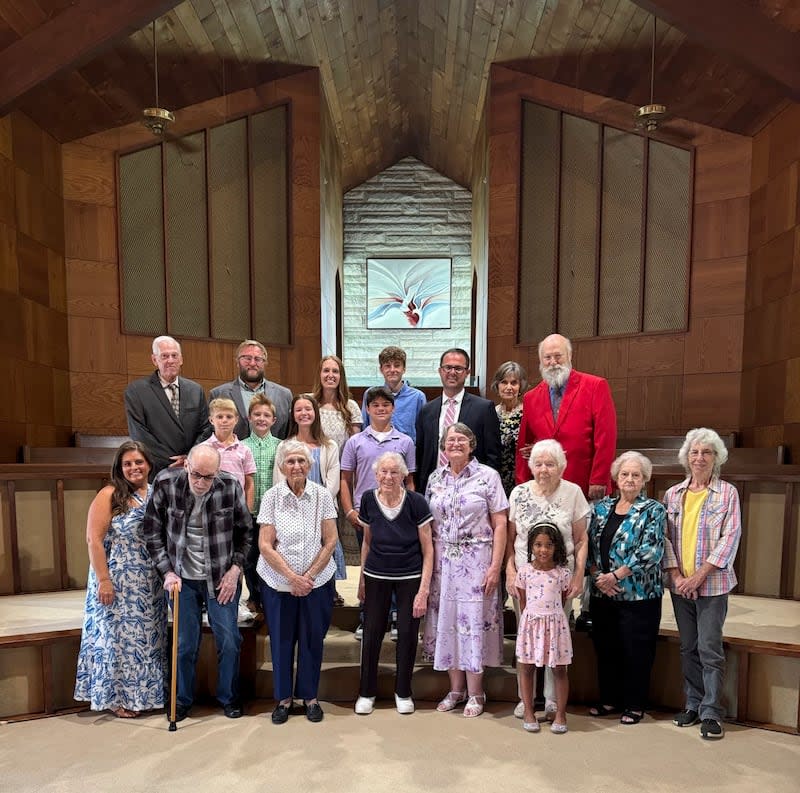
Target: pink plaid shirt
[719, 529]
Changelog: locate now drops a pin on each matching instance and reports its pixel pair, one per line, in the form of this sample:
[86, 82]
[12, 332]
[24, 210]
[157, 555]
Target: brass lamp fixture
[157, 118]
[648, 117]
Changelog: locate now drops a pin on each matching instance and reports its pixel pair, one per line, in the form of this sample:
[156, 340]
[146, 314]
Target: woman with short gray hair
[626, 544]
[396, 559]
[704, 526]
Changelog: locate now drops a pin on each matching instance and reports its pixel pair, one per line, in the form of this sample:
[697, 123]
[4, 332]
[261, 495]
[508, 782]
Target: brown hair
[123, 489]
[342, 395]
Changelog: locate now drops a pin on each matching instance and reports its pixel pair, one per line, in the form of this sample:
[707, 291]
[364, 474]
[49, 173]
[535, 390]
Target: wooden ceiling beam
[69, 39]
[738, 30]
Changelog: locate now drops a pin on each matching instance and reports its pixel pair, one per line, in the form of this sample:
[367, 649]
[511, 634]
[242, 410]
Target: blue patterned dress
[122, 659]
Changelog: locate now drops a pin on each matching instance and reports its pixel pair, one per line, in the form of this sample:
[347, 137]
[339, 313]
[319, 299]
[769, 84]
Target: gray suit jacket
[280, 396]
[152, 420]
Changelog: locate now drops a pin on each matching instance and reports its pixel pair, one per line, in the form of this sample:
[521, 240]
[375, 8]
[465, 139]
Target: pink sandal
[451, 701]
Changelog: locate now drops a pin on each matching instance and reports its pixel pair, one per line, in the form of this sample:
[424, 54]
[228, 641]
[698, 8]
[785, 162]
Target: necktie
[449, 418]
[174, 398]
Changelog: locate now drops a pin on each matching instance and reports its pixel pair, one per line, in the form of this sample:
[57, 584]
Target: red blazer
[586, 428]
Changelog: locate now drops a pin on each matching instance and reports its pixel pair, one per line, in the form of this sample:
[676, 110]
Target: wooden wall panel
[655, 378]
[103, 360]
[34, 357]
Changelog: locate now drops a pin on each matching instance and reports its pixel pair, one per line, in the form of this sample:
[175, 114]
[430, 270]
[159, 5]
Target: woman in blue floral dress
[464, 626]
[122, 658]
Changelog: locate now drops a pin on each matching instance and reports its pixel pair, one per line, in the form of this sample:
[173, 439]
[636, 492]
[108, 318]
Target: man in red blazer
[575, 409]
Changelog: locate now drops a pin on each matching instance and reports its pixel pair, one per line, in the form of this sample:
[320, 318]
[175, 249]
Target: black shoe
[233, 710]
[181, 712]
[584, 622]
[281, 714]
[686, 718]
[314, 712]
[711, 730]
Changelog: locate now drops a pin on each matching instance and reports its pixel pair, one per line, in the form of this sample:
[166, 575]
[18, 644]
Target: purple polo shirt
[364, 448]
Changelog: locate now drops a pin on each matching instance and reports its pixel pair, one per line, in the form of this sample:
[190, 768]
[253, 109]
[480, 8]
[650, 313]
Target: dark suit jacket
[152, 420]
[280, 396]
[477, 413]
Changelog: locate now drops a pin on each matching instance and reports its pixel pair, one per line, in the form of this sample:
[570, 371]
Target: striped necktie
[174, 398]
[449, 418]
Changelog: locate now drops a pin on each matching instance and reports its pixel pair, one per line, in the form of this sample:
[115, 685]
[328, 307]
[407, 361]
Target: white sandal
[475, 705]
[451, 701]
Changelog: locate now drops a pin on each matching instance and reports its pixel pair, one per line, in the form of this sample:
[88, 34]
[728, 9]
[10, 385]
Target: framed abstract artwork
[408, 293]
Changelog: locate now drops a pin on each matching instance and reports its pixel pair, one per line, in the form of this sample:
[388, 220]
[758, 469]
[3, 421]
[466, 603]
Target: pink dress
[543, 637]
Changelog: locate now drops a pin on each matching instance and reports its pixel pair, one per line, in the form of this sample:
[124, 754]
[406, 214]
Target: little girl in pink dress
[543, 637]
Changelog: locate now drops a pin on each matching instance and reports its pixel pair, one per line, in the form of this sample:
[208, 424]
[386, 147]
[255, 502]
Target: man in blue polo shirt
[362, 451]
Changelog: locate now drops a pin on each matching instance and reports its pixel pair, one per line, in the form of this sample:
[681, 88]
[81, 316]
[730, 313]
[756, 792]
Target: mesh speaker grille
[230, 255]
[142, 241]
[577, 274]
[621, 233]
[538, 222]
[666, 268]
[270, 228]
[187, 238]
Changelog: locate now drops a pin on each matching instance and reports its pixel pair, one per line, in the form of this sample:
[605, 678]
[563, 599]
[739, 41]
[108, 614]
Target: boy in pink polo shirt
[234, 456]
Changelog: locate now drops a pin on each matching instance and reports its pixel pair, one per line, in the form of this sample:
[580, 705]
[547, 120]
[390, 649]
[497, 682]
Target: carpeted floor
[386, 753]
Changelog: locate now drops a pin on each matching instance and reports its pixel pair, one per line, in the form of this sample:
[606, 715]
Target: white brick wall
[408, 209]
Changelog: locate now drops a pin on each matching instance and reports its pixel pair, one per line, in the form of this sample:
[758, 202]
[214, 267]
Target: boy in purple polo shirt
[363, 449]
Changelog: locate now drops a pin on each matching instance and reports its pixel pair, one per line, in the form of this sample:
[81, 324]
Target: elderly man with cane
[196, 527]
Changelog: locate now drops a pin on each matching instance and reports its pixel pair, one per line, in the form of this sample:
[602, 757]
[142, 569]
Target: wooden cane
[173, 704]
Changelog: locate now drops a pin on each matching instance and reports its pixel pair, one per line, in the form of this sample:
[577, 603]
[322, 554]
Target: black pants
[624, 633]
[251, 577]
[377, 602]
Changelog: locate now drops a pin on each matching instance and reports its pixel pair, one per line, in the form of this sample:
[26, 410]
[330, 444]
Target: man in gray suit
[166, 412]
[251, 358]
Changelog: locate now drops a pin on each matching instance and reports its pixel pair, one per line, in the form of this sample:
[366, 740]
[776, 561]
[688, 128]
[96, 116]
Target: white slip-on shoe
[404, 704]
[519, 710]
[365, 705]
[531, 726]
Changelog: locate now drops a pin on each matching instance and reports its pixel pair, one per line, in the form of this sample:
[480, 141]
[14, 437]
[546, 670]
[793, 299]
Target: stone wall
[407, 210]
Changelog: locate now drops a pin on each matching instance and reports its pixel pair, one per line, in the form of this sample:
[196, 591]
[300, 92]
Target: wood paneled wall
[663, 383]
[34, 357]
[771, 364]
[102, 359]
[332, 229]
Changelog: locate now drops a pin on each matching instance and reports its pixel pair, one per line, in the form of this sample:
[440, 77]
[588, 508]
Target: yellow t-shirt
[692, 505]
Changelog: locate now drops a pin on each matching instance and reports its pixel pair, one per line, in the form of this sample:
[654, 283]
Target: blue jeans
[702, 657]
[297, 623]
[224, 625]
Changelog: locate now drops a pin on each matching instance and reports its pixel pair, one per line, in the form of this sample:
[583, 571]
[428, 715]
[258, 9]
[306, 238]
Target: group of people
[454, 502]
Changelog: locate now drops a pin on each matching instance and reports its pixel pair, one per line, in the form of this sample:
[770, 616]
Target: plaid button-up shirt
[225, 518]
[719, 529]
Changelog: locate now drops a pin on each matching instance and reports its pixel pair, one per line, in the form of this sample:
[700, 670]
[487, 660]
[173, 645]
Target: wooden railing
[53, 479]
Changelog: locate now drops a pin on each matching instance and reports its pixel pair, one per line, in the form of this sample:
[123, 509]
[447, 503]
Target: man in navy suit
[166, 412]
[251, 358]
[477, 413]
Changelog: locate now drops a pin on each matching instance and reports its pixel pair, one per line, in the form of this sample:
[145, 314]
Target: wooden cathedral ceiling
[401, 77]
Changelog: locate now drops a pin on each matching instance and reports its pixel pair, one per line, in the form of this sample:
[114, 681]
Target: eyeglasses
[252, 358]
[455, 369]
[290, 461]
[201, 477]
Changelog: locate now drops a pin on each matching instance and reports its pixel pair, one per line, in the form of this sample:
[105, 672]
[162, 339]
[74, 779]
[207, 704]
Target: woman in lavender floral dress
[464, 626]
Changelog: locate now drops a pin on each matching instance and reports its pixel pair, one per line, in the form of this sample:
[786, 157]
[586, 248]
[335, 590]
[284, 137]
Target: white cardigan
[328, 464]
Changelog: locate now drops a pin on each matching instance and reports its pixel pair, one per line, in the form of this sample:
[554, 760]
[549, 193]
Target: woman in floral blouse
[510, 382]
[626, 544]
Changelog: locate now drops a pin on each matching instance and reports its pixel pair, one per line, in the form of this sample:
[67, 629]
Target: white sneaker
[404, 704]
[365, 705]
[519, 710]
[359, 632]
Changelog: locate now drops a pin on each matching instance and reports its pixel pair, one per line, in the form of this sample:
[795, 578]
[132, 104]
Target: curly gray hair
[705, 437]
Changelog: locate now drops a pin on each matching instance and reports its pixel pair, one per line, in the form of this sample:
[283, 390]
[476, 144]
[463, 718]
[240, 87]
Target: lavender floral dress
[463, 628]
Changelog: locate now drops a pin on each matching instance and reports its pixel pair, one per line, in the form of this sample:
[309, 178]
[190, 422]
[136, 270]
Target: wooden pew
[53, 455]
[664, 442]
[103, 441]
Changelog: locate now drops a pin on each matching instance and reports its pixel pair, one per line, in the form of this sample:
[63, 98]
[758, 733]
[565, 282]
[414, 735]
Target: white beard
[555, 376]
